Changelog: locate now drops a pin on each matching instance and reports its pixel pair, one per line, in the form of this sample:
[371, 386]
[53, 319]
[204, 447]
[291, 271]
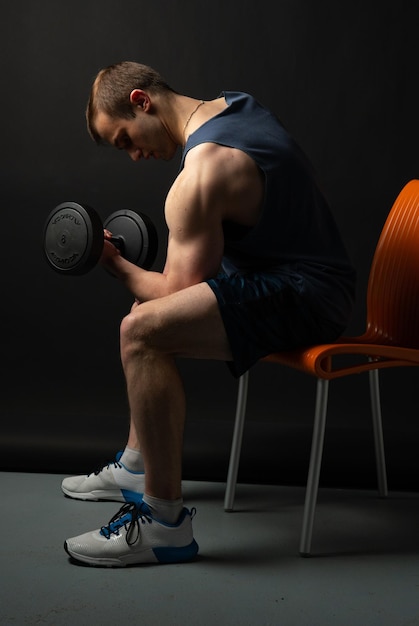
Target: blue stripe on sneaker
[132, 496]
[176, 555]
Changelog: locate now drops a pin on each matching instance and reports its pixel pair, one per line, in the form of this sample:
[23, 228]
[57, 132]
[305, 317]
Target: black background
[343, 79]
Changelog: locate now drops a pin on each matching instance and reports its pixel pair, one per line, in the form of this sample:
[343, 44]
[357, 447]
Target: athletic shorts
[265, 313]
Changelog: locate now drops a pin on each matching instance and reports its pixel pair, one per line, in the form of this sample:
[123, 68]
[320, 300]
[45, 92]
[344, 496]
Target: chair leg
[236, 442]
[315, 465]
[378, 433]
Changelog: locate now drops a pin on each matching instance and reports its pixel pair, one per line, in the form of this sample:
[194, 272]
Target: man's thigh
[187, 323]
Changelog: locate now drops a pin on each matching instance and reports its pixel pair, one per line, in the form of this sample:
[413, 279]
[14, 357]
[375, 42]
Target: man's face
[142, 137]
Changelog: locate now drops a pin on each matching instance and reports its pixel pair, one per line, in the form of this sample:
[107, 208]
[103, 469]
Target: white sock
[167, 511]
[132, 459]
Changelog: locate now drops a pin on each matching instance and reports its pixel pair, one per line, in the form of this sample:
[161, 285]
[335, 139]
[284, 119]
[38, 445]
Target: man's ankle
[167, 511]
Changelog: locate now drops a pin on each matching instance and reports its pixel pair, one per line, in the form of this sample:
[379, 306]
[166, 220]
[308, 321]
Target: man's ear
[139, 98]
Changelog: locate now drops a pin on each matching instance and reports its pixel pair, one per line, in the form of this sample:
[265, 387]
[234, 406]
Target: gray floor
[364, 569]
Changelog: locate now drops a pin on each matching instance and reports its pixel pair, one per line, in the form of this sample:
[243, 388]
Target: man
[255, 264]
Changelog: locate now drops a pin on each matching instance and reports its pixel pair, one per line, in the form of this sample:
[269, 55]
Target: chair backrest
[393, 286]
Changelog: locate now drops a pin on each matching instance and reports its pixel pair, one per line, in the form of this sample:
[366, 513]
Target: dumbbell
[73, 237]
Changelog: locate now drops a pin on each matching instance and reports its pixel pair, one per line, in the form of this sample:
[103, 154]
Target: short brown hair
[112, 87]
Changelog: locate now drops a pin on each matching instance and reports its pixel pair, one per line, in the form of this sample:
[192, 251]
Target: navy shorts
[265, 313]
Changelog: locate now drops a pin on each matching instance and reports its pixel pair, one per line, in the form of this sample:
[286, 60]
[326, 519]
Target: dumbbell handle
[119, 242]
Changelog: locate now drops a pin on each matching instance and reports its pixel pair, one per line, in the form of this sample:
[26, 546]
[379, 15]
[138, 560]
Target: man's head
[112, 89]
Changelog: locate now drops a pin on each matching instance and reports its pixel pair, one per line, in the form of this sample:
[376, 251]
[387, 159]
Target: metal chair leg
[378, 433]
[315, 465]
[236, 442]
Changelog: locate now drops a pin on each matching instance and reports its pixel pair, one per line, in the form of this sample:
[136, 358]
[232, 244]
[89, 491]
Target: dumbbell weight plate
[138, 235]
[73, 238]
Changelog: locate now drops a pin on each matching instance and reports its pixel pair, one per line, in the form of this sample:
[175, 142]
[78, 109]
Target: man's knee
[136, 330]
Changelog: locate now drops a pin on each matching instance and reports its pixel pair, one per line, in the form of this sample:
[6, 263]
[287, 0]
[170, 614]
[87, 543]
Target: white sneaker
[112, 482]
[132, 537]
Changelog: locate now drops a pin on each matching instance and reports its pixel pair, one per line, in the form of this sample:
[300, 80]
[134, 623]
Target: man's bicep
[193, 257]
[194, 215]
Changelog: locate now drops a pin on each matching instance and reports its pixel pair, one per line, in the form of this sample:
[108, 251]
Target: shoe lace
[129, 516]
[107, 465]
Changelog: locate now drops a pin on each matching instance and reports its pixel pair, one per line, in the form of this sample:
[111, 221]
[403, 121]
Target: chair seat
[317, 360]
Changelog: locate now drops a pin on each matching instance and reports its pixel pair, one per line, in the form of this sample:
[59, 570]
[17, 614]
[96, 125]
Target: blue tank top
[296, 231]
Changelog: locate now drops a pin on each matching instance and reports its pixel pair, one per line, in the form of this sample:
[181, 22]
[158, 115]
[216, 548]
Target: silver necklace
[191, 116]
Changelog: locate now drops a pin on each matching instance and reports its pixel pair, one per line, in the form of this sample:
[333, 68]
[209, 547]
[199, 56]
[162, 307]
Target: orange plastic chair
[391, 339]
